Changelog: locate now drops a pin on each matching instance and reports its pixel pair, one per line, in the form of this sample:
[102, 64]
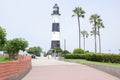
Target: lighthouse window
[55, 44]
[55, 27]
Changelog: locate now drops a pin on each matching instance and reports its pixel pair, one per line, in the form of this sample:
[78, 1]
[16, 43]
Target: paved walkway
[44, 69]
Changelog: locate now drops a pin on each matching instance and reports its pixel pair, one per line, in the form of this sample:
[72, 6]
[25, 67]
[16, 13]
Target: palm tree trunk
[79, 32]
[95, 45]
[84, 44]
[99, 40]
[95, 38]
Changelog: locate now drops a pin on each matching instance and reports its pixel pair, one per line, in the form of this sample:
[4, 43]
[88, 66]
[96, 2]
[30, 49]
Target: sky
[32, 20]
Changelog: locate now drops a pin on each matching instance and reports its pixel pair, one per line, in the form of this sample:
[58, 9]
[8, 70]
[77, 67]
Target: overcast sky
[32, 20]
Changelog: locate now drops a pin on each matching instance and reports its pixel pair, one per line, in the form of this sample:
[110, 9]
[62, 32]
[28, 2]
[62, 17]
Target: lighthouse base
[55, 44]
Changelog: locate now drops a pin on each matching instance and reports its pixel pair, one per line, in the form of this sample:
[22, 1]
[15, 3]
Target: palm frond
[83, 16]
[79, 12]
[73, 15]
[84, 33]
[93, 32]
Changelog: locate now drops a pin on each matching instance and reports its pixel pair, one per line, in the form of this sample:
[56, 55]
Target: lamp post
[64, 44]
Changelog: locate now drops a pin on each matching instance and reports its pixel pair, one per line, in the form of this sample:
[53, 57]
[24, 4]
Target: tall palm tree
[94, 33]
[85, 35]
[80, 14]
[94, 20]
[99, 25]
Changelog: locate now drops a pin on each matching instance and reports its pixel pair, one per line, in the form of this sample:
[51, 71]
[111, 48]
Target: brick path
[44, 69]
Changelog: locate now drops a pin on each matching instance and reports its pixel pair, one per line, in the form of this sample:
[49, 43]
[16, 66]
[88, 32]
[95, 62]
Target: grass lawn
[4, 59]
[92, 62]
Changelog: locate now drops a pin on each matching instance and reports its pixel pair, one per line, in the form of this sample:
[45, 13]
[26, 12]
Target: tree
[35, 50]
[80, 14]
[85, 35]
[99, 25]
[2, 38]
[13, 46]
[94, 20]
[24, 44]
[94, 33]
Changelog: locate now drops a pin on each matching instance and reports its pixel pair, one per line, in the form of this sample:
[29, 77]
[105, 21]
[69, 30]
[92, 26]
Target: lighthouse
[55, 43]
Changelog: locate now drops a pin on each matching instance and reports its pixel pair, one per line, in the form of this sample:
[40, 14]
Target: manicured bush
[74, 56]
[87, 51]
[112, 58]
[65, 52]
[78, 51]
[89, 55]
[96, 57]
[106, 57]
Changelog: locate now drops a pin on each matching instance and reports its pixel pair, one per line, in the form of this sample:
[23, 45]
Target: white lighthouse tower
[55, 43]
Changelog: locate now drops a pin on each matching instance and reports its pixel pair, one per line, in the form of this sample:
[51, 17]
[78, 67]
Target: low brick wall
[15, 70]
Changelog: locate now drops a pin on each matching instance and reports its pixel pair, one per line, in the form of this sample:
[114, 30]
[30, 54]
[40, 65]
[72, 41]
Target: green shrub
[112, 58]
[107, 57]
[65, 52]
[87, 51]
[96, 57]
[88, 56]
[115, 58]
[78, 51]
[75, 56]
[68, 56]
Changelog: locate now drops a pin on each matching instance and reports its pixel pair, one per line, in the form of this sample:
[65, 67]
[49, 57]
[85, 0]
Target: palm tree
[100, 25]
[79, 13]
[94, 33]
[94, 19]
[85, 35]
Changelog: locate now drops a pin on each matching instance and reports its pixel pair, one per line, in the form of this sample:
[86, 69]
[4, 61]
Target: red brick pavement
[67, 72]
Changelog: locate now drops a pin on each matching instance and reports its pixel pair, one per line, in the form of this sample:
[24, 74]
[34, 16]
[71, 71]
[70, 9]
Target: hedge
[78, 56]
[112, 58]
[74, 56]
[78, 51]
